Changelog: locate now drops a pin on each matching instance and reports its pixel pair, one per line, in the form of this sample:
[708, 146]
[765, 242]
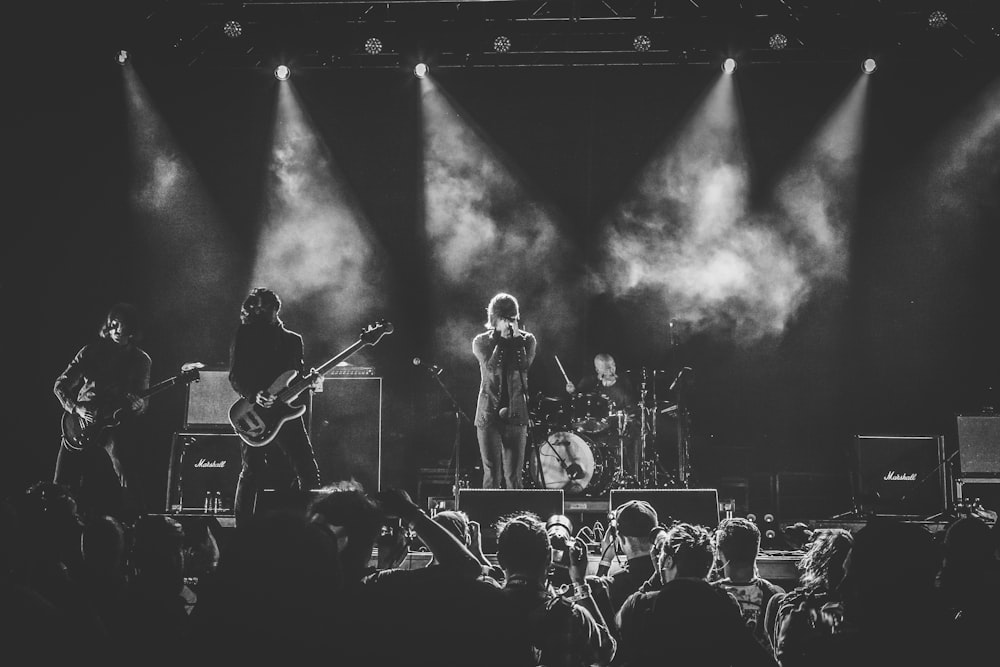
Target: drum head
[568, 461]
[590, 413]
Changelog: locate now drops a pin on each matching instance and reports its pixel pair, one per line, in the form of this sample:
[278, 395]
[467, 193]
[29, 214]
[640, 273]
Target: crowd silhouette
[300, 583]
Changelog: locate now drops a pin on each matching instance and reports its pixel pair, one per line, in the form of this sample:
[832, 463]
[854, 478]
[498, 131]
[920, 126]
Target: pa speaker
[979, 445]
[900, 474]
[345, 426]
[695, 506]
[209, 400]
[488, 506]
[203, 464]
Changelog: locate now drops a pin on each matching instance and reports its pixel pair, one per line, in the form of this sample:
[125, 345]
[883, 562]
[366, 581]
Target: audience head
[103, 544]
[737, 541]
[523, 546]
[355, 520]
[822, 566]
[456, 522]
[158, 551]
[637, 524]
[685, 552]
[201, 548]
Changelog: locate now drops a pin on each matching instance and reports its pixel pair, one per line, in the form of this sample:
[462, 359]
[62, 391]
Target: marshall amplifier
[204, 469]
[901, 475]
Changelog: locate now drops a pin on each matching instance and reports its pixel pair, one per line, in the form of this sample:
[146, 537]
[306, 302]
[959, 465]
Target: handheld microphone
[435, 370]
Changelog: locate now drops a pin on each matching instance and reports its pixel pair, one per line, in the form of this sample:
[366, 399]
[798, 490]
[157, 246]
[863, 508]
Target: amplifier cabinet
[901, 474]
[203, 465]
[345, 426]
[979, 445]
[208, 401]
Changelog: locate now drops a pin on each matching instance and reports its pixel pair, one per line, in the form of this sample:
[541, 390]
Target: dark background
[903, 346]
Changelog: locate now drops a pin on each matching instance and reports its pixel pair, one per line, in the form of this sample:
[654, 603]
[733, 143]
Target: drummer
[606, 382]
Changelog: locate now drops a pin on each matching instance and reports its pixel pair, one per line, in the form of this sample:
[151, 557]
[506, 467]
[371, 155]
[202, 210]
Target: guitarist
[104, 376]
[262, 350]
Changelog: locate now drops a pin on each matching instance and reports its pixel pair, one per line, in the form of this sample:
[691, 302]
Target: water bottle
[208, 502]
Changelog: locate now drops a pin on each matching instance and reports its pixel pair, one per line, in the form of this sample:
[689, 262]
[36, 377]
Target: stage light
[501, 44]
[777, 41]
[232, 29]
[281, 73]
[869, 65]
[373, 46]
[937, 19]
[728, 65]
[642, 43]
[420, 71]
[121, 57]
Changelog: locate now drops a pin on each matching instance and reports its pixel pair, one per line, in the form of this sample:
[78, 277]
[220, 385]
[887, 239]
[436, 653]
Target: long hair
[128, 315]
[265, 296]
[822, 566]
[502, 306]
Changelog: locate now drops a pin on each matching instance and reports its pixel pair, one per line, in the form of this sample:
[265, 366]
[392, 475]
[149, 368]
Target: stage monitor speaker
[900, 475]
[345, 427]
[488, 506]
[979, 445]
[695, 506]
[202, 463]
[209, 400]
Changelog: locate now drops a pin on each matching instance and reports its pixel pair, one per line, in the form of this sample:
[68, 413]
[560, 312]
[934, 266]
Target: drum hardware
[591, 413]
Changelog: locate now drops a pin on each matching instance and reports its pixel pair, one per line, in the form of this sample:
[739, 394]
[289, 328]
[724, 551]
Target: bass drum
[571, 462]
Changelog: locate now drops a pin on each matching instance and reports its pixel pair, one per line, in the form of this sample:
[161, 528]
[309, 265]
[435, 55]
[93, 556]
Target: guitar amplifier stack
[344, 422]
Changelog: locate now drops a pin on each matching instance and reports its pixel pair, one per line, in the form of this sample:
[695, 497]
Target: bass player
[262, 350]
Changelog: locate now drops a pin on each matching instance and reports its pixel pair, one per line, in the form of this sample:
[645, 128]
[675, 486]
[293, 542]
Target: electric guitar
[78, 434]
[257, 425]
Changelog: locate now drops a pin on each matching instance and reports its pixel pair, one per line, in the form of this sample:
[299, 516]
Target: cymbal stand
[646, 460]
[623, 478]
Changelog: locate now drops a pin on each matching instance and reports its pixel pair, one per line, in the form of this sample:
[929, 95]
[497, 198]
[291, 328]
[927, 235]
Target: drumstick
[561, 368]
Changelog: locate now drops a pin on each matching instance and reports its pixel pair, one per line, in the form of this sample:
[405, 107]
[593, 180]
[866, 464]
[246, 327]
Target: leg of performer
[490, 448]
[514, 442]
[301, 457]
[253, 462]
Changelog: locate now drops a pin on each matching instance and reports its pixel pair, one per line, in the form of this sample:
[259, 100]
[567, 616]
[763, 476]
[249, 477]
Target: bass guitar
[257, 425]
[78, 434]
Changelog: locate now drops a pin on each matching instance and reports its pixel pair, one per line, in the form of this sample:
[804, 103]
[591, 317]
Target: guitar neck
[304, 381]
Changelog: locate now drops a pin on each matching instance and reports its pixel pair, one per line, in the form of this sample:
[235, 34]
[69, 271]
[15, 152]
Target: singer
[505, 353]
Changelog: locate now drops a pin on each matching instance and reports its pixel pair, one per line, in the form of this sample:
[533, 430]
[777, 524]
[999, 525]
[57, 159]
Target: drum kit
[579, 444]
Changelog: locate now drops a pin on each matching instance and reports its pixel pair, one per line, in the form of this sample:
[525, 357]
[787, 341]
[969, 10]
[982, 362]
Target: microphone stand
[459, 416]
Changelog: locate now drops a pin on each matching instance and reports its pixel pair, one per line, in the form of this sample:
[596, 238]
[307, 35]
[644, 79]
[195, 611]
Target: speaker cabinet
[695, 506]
[345, 426]
[202, 464]
[900, 474]
[979, 445]
[488, 506]
[209, 400]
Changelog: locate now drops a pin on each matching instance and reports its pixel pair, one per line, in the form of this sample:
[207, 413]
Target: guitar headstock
[373, 333]
[190, 372]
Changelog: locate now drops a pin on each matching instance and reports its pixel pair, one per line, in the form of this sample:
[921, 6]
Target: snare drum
[591, 413]
[571, 462]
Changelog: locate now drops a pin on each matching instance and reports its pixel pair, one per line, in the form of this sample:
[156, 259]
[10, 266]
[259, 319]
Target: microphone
[575, 471]
[434, 370]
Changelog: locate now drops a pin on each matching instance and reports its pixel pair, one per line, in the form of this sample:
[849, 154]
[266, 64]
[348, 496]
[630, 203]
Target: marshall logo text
[205, 463]
[893, 476]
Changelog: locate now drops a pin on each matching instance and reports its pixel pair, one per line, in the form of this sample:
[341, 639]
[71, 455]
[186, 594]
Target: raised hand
[397, 502]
